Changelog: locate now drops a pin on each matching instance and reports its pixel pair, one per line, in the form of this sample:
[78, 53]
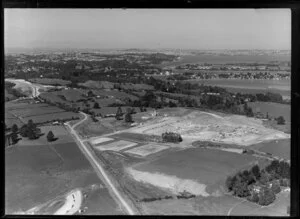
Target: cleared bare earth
[197, 170]
[116, 146]
[199, 125]
[146, 150]
[153, 169]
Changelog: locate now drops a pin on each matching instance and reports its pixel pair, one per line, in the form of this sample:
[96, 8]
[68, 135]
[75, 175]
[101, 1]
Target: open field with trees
[272, 109]
[209, 167]
[40, 113]
[279, 148]
[46, 171]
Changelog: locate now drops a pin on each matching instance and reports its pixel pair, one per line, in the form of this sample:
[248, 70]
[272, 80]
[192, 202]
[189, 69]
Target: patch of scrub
[173, 183]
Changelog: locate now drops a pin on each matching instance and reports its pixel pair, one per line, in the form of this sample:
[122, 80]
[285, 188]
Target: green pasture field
[273, 125]
[106, 101]
[38, 112]
[52, 97]
[10, 121]
[217, 205]
[130, 86]
[113, 110]
[59, 132]
[37, 174]
[49, 81]
[97, 84]
[280, 148]
[273, 109]
[9, 96]
[92, 129]
[51, 117]
[24, 105]
[257, 90]
[35, 111]
[71, 95]
[207, 166]
[100, 202]
[196, 206]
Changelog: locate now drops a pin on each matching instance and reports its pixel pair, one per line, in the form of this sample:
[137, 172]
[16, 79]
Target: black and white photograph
[147, 111]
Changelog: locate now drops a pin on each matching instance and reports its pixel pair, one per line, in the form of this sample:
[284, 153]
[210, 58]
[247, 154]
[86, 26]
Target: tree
[119, 113]
[14, 137]
[50, 136]
[266, 197]
[230, 182]
[280, 120]
[171, 137]
[256, 171]
[264, 177]
[128, 117]
[90, 93]
[240, 188]
[14, 128]
[30, 124]
[96, 106]
[31, 134]
[276, 186]
[254, 197]
[133, 110]
[24, 131]
[172, 104]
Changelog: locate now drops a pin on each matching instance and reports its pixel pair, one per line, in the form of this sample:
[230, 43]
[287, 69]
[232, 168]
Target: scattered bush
[280, 120]
[128, 118]
[96, 105]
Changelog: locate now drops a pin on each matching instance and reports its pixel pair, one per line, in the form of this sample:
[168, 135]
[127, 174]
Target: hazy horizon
[157, 29]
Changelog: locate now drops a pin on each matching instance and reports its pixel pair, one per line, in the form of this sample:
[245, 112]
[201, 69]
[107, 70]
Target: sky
[210, 29]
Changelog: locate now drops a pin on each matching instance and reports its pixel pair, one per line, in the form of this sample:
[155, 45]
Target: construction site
[149, 170]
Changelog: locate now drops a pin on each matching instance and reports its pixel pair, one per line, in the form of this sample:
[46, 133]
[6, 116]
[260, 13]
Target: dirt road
[98, 167]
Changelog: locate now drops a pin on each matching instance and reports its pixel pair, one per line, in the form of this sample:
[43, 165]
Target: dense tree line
[267, 180]
[30, 130]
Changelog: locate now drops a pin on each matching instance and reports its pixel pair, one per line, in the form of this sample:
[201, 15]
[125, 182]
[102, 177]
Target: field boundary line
[53, 149]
